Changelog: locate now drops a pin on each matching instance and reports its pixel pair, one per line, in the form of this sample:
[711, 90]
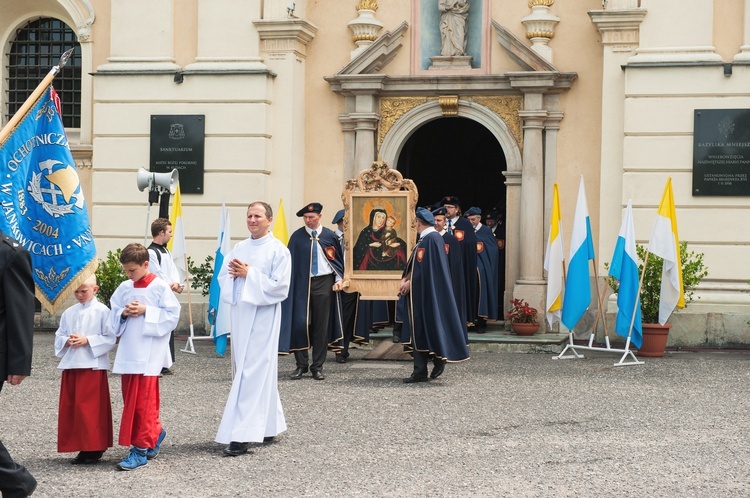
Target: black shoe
[412, 379]
[318, 375]
[166, 371]
[268, 439]
[235, 449]
[340, 359]
[438, 369]
[396, 337]
[87, 457]
[298, 373]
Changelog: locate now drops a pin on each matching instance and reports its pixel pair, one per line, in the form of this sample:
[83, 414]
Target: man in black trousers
[317, 270]
[16, 340]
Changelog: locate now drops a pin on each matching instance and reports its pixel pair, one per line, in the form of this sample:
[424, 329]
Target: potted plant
[693, 271]
[522, 317]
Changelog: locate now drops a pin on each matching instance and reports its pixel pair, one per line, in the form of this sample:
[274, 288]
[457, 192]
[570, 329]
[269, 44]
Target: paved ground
[501, 424]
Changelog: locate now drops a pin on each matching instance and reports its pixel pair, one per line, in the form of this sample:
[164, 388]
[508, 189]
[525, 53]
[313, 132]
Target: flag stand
[189, 347]
[626, 351]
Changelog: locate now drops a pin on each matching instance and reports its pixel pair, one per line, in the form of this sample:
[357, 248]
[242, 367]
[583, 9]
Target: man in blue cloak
[317, 270]
[460, 228]
[432, 326]
[455, 263]
[487, 262]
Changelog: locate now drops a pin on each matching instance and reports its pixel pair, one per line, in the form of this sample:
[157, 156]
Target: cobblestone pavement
[501, 424]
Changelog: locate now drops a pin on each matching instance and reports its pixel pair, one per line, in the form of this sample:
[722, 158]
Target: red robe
[85, 420]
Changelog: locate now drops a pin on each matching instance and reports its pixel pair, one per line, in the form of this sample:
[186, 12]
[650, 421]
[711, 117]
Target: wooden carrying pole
[38, 91]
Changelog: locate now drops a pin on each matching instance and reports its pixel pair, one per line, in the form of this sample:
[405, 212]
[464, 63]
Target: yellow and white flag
[176, 244]
[665, 243]
[553, 262]
[280, 230]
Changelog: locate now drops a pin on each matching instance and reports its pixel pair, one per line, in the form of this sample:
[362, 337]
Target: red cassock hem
[85, 411]
[140, 425]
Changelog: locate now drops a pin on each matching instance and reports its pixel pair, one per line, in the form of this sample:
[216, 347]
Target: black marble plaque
[721, 152]
[178, 142]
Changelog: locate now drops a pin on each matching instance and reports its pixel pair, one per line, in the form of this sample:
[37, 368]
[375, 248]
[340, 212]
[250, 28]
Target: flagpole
[637, 301]
[190, 310]
[600, 299]
[38, 91]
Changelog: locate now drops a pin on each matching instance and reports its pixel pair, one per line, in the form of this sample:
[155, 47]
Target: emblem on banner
[420, 254]
[47, 110]
[56, 188]
[501, 243]
[459, 234]
[330, 252]
[52, 279]
[480, 246]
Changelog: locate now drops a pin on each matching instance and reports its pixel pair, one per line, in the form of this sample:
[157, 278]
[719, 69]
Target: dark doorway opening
[456, 156]
[459, 157]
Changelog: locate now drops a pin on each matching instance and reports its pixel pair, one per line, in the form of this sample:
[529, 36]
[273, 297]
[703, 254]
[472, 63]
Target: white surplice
[92, 320]
[144, 340]
[253, 410]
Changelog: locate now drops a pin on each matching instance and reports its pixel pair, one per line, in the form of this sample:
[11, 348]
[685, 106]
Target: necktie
[314, 269]
[450, 227]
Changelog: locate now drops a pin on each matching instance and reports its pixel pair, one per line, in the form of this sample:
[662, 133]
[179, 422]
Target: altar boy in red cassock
[144, 313]
[83, 341]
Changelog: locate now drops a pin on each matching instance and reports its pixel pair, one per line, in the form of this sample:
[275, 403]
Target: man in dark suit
[16, 339]
[317, 270]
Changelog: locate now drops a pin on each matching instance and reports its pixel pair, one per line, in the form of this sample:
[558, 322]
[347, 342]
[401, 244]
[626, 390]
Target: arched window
[36, 48]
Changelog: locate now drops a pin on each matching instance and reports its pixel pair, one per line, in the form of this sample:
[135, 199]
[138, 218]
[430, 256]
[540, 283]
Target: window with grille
[37, 47]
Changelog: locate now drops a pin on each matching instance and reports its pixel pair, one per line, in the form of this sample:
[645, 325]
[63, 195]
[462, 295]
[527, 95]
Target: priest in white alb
[254, 281]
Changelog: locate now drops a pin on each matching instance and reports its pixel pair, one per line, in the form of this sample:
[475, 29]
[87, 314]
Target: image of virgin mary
[377, 247]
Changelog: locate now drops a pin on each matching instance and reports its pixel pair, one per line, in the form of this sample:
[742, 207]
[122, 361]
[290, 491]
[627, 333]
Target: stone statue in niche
[453, 16]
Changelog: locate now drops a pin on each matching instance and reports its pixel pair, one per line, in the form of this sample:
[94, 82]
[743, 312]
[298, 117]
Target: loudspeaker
[160, 181]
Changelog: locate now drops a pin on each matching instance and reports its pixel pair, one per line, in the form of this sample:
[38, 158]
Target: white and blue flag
[578, 284]
[218, 312]
[624, 268]
[43, 204]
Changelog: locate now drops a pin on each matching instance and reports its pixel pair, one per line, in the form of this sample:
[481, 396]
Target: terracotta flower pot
[524, 328]
[654, 339]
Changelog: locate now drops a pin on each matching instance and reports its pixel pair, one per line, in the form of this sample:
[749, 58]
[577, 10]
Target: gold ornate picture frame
[379, 231]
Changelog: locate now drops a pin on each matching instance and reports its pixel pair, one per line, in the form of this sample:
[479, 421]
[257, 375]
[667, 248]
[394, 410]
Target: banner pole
[38, 91]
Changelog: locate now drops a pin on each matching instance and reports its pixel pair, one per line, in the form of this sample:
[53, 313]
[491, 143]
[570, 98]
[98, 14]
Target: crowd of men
[320, 315]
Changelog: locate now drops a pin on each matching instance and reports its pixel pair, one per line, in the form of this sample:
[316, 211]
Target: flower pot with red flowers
[522, 317]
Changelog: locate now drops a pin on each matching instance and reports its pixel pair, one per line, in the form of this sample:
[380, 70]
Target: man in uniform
[460, 228]
[487, 266]
[455, 263]
[432, 327]
[494, 220]
[17, 335]
[347, 305]
[317, 270]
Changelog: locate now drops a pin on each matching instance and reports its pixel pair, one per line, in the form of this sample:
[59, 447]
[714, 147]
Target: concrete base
[458, 62]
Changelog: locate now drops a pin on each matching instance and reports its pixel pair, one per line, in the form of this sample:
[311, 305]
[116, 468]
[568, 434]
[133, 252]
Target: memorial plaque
[177, 142]
[721, 152]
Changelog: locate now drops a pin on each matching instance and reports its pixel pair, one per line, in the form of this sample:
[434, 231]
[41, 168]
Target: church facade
[492, 101]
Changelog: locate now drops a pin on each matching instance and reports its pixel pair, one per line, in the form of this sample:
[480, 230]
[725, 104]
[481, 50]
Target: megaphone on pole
[163, 182]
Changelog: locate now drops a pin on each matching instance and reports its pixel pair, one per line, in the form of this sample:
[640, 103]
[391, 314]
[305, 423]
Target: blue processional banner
[43, 205]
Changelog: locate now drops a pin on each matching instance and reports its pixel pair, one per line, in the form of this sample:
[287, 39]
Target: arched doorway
[459, 157]
[455, 156]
